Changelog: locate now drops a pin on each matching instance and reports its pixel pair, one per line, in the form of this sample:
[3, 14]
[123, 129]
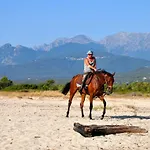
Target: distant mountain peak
[127, 41]
[7, 45]
[81, 39]
[76, 39]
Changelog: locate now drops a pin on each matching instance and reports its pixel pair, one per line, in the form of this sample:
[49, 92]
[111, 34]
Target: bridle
[109, 87]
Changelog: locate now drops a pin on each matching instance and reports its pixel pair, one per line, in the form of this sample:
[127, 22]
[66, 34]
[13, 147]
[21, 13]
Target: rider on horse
[89, 66]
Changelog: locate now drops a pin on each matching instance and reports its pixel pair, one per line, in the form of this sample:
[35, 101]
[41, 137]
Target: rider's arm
[95, 63]
[87, 63]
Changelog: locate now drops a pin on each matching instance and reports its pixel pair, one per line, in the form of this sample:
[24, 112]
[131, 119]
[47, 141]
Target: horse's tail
[66, 88]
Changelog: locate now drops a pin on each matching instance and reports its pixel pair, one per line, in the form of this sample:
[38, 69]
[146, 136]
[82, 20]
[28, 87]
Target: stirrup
[81, 88]
[85, 87]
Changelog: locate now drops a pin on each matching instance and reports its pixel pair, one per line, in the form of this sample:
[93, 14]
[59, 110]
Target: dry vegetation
[32, 94]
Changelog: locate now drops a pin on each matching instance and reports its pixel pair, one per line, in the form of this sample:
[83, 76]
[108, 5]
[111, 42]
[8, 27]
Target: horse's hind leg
[72, 93]
[104, 102]
[82, 104]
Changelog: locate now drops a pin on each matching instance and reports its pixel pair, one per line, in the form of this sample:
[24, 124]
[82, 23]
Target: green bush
[140, 87]
[48, 85]
[5, 82]
[21, 87]
[7, 85]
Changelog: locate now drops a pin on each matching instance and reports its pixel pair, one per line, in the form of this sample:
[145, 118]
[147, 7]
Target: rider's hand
[95, 69]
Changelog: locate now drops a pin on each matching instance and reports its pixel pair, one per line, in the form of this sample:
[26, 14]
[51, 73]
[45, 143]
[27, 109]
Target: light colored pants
[84, 76]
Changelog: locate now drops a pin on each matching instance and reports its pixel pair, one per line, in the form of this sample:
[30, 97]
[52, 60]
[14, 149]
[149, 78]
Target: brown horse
[95, 89]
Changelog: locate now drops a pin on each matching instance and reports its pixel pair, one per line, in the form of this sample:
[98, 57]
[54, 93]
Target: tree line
[124, 88]
[8, 85]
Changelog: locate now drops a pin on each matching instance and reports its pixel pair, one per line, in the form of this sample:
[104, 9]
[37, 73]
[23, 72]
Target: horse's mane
[104, 72]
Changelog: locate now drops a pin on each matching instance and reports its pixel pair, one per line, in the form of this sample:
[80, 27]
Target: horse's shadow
[130, 117]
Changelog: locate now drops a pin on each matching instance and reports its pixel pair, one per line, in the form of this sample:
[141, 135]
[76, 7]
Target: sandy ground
[39, 123]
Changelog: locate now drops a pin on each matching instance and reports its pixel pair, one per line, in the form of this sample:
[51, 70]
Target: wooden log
[98, 130]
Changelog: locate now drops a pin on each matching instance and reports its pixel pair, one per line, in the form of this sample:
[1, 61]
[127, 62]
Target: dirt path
[39, 123]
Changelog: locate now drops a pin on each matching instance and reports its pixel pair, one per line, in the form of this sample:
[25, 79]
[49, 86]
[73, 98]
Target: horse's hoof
[90, 117]
[67, 116]
[102, 117]
[82, 116]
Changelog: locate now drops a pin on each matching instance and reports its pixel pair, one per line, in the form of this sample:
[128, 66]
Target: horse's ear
[113, 74]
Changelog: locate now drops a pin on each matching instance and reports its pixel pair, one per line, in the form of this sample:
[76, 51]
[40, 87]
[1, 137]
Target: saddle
[86, 81]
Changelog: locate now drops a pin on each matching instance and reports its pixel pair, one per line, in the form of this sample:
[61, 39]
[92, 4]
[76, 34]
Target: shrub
[142, 87]
[5, 82]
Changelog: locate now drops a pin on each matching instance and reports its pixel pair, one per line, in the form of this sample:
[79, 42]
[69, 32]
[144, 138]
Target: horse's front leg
[104, 102]
[72, 93]
[82, 104]
[91, 106]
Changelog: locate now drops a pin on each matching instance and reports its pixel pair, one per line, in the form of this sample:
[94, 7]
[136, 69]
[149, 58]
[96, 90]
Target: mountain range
[122, 53]
[122, 43]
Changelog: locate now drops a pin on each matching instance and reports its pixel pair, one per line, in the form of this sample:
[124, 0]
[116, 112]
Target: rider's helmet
[90, 52]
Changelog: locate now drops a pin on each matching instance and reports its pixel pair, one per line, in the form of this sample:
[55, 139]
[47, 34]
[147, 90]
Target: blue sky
[35, 22]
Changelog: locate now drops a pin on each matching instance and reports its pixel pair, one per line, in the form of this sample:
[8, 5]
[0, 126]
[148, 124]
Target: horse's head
[109, 80]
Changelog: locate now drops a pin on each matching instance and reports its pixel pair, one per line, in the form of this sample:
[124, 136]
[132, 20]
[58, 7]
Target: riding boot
[83, 83]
